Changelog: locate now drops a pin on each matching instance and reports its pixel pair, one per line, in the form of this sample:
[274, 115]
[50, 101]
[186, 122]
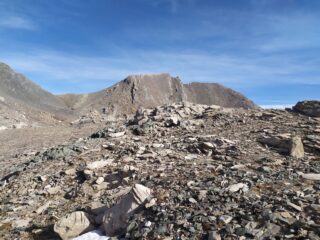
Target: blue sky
[267, 49]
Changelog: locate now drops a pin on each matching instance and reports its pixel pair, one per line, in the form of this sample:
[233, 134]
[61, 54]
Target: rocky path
[176, 172]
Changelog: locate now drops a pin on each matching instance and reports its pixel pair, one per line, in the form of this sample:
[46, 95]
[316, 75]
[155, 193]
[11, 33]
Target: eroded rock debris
[179, 171]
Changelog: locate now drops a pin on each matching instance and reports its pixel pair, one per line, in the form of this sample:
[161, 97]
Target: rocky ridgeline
[180, 171]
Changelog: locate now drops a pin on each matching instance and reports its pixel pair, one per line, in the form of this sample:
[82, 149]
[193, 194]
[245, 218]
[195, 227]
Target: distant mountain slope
[16, 87]
[217, 94]
[155, 90]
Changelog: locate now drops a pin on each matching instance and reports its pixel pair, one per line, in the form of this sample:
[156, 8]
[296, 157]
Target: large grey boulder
[115, 218]
[309, 108]
[284, 144]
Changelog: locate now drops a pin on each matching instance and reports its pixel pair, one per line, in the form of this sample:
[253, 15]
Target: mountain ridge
[124, 97]
[151, 90]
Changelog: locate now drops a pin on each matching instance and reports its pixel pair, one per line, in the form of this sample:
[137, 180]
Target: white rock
[151, 203]
[116, 135]
[157, 145]
[43, 178]
[100, 180]
[238, 167]
[238, 186]
[208, 145]
[128, 168]
[99, 164]
[127, 159]
[94, 235]
[311, 176]
[70, 171]
[2, 128]
[296, 148]
[72, 225]
[190, 157]
[148, 224]
[226, 219]
[88, 174]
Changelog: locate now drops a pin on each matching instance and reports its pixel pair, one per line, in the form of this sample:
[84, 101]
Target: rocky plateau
[175, 171]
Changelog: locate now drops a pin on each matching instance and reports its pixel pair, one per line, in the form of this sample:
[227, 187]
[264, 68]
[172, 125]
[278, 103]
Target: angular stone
[114, 219]
[70, 171]
[88, 174]
[192, 200]
[99, 164]
[214, 236]
[226, 219]
[116, 135]
[236, 187]
[207, 145]
[100, 180]
[72, 225]
[296, 148]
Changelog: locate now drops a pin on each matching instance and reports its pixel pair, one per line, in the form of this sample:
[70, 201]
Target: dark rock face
[309, 108]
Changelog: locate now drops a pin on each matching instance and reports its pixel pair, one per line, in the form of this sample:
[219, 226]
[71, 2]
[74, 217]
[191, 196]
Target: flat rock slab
[312, 176]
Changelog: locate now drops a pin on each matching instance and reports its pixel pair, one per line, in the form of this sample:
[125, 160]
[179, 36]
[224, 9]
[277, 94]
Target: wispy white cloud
[174, 5]
[290, 32]
[277, 106]
[17, 22]
[101, 71]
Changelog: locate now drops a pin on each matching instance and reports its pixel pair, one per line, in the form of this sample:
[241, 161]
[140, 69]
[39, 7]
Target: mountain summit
[154, 90]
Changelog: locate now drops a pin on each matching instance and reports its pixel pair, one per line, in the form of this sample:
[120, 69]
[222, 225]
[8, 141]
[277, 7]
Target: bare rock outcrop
[309, 108]
[155, 90]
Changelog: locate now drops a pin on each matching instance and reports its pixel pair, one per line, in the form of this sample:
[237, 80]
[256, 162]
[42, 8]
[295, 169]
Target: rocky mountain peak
[4, 66]
[148, 77]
